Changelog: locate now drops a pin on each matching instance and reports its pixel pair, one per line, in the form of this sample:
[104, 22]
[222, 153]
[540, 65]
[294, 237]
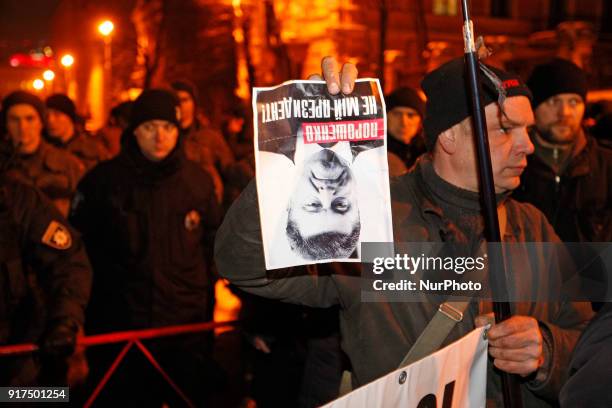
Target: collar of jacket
[440, 227]
[579, 164]
[59, 143]
[407, 151]
[195, 126]
[147, 171]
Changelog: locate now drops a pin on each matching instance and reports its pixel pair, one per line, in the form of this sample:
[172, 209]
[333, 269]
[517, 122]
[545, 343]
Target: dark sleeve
[64, 273]
[591, 364]
[212, 212]
[561, 330]
[240, 259]
[219, 148]
[84, 214]
[76, 171]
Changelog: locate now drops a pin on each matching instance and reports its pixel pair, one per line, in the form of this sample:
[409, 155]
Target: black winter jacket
[45, 276]
[578, 202]
[148, 228]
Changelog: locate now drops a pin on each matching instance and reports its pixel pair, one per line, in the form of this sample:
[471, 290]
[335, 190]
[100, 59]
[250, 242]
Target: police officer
[64, 132]
[55, 172]
[45, 279]
[147, 218]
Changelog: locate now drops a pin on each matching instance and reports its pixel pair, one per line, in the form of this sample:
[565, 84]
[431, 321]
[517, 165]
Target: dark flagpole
[497, 280]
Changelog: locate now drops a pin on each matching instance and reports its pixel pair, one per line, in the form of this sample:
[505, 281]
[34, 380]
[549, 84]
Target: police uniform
[54, 171]
[87, 149]
[45, 276]
[148, 227]
[147, 230]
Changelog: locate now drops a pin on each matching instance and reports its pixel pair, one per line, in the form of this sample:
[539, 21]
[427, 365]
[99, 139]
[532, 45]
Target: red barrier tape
[131, 337]
[108, 374]
[155, 364]
[119, 337]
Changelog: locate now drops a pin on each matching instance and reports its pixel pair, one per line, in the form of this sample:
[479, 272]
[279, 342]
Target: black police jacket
[148, 228]
[45, 276]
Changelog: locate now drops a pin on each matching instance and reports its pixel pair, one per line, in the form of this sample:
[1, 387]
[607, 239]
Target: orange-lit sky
[24, 20]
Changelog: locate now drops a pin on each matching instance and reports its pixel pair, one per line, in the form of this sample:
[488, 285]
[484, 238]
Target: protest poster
[321, 172]
[453, 377]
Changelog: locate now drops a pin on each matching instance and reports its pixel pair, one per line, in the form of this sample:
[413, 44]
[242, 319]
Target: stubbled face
[156, 139]
[59, 125]
[24, 127]
[325, 199]
[559, 118]
[508, 141]
[403, 123]
[187, 107]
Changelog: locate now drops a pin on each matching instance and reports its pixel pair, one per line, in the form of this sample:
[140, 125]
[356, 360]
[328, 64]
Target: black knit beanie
[62, 103]
[154, 104]
[448, 100]
[189, 87]
[405, 97]
[22, 97]
[555, 77]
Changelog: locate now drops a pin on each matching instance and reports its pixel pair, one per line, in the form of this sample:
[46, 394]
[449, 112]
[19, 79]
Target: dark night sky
[25, 20]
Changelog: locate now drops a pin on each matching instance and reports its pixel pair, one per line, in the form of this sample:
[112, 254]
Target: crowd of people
[130, 227]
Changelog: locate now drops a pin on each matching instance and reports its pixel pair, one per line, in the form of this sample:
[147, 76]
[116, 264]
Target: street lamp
[106, 28]
[67, 60]
[48, 75]
[38, 84]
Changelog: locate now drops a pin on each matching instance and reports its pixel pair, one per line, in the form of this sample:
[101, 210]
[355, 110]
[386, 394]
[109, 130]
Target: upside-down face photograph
[321, 172]
[306, 203]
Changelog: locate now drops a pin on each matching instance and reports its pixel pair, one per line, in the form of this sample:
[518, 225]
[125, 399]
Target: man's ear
[448, 140]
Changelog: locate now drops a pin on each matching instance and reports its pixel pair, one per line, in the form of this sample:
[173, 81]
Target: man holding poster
[321, 172]
[438, 202]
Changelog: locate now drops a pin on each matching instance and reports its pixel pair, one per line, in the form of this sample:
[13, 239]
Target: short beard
[327, 245]
[549, 137]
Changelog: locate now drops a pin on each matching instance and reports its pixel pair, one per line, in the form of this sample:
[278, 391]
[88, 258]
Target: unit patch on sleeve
[192, 220]
[57, 236]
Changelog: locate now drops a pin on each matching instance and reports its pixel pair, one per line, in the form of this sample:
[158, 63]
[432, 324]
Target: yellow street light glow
[106, 28]
[48, 75]
[67, 60]
[38, 84]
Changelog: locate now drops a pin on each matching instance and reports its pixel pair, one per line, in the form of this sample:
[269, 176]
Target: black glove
[59, 339]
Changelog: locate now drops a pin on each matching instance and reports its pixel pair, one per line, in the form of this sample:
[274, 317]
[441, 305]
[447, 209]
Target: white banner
[453, 377]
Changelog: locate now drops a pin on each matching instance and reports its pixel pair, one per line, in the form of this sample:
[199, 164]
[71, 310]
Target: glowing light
[14, 62]
[67, 60]
[38, 84]
[106, 28]
[48, 75]
[227, 305]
